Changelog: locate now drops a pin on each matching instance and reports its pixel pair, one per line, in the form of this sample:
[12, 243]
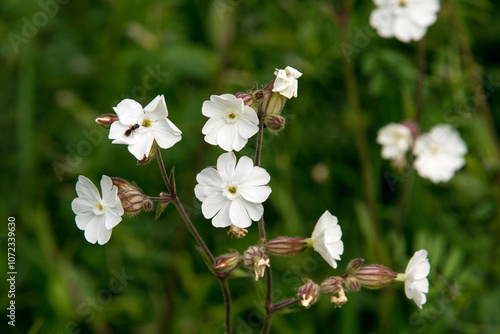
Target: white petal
[86, 189]
[213, 204]
[93, 229]
[383, 21]
[255, 210]
[164, 135]
[423, 18]
[128, 111]
[83, 219]
[238, 214]
[258, 177]
[213, 125]
[82, 205]
[226, 137]
[111, 219]
[222, 218]
[243, 170]
[292, 72]
[157, 108]
[142, 147]
[255, 194]
[226, 164]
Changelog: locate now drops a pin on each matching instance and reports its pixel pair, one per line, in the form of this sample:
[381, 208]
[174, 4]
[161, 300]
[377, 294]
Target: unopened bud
[285, 246]
[227, 262]
[353, 266]
[331, 285]
[106, 120]
[274, 123]
[132, 198]
[308, 293]
[256, 260]
[374, 276]
[272, 102]
[247, 99]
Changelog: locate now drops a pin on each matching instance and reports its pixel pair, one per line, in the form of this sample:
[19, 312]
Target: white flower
[139, 128]
[326, 238]
[395, 139]
[231, 122]
[232, 193]
[286, 82]
[439, 153]
[404, 19]
[415, 277]
[96, 215]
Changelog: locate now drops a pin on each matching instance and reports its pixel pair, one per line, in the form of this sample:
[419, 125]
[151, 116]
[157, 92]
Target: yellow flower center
[231, 115]
[232, 189]
[402, 3]
[146, 123]
[99, 206]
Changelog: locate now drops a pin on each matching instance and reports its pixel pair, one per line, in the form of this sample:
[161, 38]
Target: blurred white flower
[404, 19]
[232, 194]
[396, 140]
[96, 215]
[231, 122]
[439, 153]
[326, 238]
[139, 128]
[415, 277]
[286, 82]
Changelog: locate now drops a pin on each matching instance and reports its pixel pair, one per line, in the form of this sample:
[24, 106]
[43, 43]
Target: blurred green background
[65, 63]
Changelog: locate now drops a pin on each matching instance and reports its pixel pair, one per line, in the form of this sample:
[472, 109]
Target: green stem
[419, 93]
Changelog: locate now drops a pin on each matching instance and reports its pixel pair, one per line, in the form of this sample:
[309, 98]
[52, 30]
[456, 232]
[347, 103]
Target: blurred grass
[90, 55]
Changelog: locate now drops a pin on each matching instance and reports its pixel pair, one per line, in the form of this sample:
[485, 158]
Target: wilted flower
[396, 140]
[231, 122]
[439, 153]
[233, 193]
[256, 260]
[95, 214]
[415, 277]
[286, 82]
[404, 19]
[308, 293]
[139, 128]
[326, 238]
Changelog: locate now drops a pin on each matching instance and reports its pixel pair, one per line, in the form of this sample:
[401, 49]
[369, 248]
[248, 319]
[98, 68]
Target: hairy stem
[227, 300]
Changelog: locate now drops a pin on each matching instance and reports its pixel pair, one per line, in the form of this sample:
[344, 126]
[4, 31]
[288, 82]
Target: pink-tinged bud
[331, 285]
[308, 293]
[106, 120]
[227, 262]
[132, 198]
[255, 259]
[374, 276]
[353, 266]
[413, 126]
[285, 246]
[274, 123]
[247, 99]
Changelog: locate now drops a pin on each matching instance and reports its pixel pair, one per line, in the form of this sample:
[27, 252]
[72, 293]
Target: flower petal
[222, 218]
[128, 111]
[238, 214]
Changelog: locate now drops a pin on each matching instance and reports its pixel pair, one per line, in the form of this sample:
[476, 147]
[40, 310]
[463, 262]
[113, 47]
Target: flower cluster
[438, 154]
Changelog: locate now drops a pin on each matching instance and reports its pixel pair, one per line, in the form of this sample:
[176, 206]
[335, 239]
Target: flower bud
[308, 293]
[374, 276]
[413, 126]
[247, 98]
[256, 260]
[353, 266]
[331, 285]
[132, 198]
[227, 262]
[274, 123]
[272, 102]
[106, 120]
[285, 246]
